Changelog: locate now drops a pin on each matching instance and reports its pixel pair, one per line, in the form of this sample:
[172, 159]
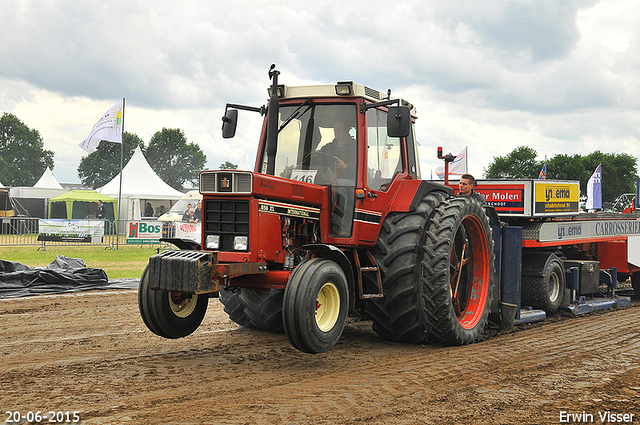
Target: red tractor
[334, 218]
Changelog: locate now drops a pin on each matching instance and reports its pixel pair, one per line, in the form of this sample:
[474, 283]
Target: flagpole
[466, 159]
[120, 186]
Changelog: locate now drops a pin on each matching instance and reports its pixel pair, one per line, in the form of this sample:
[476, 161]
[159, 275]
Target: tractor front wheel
[170, 314]
[315, 305]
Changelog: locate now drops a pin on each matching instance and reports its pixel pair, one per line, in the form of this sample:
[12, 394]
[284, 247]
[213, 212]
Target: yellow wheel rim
[181, 306]
[327, 307]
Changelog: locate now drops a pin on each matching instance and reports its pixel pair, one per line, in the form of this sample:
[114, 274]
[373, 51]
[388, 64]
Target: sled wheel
[170, 314]
[459, 261]
[635, 283]
[315, 305]
[543, 288]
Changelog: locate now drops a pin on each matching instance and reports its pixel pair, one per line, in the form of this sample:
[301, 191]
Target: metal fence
[21, 231]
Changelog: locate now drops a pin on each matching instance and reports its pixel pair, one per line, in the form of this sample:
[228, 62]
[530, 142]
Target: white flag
[594, 189]
[456, 168]
[108, 128]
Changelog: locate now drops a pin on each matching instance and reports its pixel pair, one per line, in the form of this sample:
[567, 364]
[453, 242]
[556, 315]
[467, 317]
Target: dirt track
[91, 353]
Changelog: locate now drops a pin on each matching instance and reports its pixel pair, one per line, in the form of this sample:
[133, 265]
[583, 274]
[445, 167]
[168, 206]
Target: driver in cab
[343, 150]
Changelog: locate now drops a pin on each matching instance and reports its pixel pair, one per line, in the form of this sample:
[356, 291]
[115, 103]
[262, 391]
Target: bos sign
[144, 232]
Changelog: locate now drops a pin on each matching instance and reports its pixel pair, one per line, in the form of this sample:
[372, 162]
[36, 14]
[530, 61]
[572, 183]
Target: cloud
[558, 75]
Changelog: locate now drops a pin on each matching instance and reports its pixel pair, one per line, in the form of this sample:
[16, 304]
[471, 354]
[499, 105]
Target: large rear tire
[315, 305]
[170, 314]
[233, 306]
[458, 267]
[263, 308]
[402, 315]
[254, 309]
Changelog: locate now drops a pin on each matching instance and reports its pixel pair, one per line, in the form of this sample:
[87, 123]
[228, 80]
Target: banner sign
[60, 230]
[192, 231]
[505, 198]
[141, 232]
[556, 197]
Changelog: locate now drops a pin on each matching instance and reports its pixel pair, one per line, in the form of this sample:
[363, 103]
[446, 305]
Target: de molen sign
[505, 198]
[140, 232]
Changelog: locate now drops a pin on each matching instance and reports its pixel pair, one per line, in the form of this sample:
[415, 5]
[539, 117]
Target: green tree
[227, 165]
[23, 158]
[175, 160]
[520, 163]
[619, 171]
[103, 164]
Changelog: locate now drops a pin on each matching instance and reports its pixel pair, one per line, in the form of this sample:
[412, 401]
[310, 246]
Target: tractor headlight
[240, 243]
[213, 242]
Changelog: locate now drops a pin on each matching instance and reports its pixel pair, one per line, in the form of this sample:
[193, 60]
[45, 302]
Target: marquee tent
[81, 204]
[48, 181]
[140, 184]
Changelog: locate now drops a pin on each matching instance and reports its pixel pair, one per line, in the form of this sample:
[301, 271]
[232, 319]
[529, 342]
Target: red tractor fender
[411, 192]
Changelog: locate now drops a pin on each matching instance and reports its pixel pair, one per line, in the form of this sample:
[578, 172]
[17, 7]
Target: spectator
[148, 211]
[467, 182]
[101, 214]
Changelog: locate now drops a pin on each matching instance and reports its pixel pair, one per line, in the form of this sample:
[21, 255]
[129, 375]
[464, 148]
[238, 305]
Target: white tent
[139, 184]
[48, 181]
[244, 164]
[34, 200]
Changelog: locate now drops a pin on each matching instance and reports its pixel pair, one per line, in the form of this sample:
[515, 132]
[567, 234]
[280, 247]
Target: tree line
[23, 158]
[175, 160]
[619, 171]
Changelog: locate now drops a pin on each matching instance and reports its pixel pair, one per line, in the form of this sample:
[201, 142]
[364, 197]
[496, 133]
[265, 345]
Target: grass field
[126, 262]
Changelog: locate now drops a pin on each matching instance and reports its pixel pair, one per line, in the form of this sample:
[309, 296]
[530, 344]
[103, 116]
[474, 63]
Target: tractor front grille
[226, 218]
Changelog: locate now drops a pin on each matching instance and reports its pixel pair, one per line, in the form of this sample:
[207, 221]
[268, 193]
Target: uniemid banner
[60, 230]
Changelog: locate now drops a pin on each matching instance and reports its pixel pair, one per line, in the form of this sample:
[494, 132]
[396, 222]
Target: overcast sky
[559, 76]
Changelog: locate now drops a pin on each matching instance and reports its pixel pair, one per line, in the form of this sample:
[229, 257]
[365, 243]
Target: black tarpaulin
[64, 274]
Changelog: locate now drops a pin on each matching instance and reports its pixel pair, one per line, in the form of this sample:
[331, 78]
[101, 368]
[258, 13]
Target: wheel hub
[181, 305]
[327, 307]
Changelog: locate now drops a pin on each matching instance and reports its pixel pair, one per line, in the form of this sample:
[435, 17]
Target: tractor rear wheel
[233, 306]
[254, 309]
[402, 314]
[170, 314]
[263, 308]
[458, 268]
[315, 305]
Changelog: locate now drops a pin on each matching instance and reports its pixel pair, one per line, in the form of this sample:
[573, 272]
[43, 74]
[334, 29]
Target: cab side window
[384, 152]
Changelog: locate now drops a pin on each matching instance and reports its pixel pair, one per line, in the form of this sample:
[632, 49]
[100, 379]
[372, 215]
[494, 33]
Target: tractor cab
[347, 137]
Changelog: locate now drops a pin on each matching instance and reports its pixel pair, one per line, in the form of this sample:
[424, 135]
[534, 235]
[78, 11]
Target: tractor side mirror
[229, 123]
[398, 121]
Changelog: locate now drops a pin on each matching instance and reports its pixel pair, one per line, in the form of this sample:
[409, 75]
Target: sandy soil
[92, 354]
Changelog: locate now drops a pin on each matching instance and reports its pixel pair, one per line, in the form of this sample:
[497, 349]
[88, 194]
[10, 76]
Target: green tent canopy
[81, 204]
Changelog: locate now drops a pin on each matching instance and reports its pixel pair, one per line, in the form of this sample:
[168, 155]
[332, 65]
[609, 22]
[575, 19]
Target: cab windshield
[318, 145]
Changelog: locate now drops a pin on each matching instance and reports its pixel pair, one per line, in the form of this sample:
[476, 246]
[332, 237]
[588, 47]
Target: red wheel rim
[470, 271]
